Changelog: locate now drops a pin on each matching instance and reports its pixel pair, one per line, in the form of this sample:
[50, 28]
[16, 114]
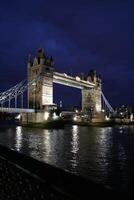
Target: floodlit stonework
[91, 98]
[40, 93]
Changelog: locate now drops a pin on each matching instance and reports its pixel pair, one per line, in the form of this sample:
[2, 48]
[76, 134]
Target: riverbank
[49, 124]
[60, 124]
[102, 124]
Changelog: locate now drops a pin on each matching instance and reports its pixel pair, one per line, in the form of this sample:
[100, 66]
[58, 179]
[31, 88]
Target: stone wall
[91, 100]
[37, 117]
[40, 92]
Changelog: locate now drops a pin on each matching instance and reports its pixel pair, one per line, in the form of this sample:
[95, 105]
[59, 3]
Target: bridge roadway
[16, 110]
[75, 82]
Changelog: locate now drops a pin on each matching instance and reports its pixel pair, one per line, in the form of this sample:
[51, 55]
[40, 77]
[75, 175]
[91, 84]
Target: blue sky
[80, 35]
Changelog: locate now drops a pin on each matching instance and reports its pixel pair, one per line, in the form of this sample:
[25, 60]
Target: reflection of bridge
[41, 77]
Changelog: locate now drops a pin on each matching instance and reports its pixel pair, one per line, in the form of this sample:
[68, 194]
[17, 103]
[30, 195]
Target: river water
[102, 154]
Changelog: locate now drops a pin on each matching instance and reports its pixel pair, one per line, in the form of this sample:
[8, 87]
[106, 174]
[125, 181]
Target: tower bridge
[42, 92]
[39, 86]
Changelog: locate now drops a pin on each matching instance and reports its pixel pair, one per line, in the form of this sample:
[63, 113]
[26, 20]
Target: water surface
[101, 154]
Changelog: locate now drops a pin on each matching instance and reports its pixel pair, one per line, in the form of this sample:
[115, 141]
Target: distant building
[123, 111]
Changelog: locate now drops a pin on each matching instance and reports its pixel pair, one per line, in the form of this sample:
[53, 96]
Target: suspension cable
[107, 103]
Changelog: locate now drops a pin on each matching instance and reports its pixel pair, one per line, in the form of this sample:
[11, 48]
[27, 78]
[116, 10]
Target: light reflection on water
[75, 146]
[103, 154]
[18, 144]
[47, 144]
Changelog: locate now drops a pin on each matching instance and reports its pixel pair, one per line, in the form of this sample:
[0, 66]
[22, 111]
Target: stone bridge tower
[40, 94]
[91, 98]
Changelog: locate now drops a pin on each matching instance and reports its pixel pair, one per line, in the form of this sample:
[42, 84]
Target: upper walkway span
[75, 82]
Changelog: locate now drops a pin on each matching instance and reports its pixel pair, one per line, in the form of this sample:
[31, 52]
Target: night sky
[80, 35]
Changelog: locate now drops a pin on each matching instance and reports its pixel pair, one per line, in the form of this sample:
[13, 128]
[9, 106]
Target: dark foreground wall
[22, 177]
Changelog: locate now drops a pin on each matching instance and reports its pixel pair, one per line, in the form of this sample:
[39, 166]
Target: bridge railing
[22, 177]
[16, 110]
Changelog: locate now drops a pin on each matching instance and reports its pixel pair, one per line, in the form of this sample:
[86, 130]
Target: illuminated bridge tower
[91, 98]
[40, 94]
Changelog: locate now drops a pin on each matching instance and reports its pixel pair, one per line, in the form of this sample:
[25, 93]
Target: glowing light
[77, 78]
[131, 117]
[103, 110]
[75, 118]
[34, 84]
[18, 116]
[76, 111]
[46, 115]
[55, 116]
[107, 118]
[98, 107]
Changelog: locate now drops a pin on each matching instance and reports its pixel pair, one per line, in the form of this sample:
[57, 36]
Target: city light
[107, 118]
[18, 116]
[55, 116]
[34, 84]
[77, 78]
[65, 75]
[131, 117]
[75, 118]
[46, 115]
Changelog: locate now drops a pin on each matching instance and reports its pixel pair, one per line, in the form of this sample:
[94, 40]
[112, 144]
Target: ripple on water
[103, 154]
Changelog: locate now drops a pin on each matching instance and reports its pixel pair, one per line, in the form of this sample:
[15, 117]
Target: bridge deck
[16, 110]
[75, 82]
